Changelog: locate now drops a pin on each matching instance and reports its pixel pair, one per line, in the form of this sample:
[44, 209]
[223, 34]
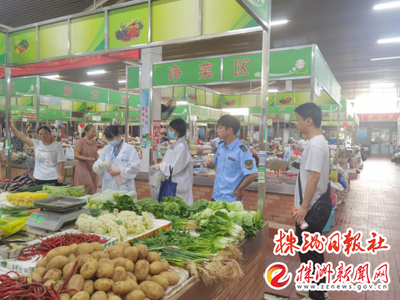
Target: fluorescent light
[279, 22]
[237, 111]
[87, 83]
[122, 81]
[390, 40]
[272, 91]
[54, 76]
[382, 85]
[181, 102]
[385, 58]
[387, 5]
[95, 72]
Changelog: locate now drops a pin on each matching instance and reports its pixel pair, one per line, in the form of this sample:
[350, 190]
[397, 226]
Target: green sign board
[21, 86]
[258, 9]
[2, 48]
[69, 90]
[242, 67]
[88, 34]
[290, 63]
[205, 112]
[199, 71]
[133, 79]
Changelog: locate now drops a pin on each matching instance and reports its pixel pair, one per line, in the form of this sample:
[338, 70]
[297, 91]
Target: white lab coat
[179, 158]
[127, 161]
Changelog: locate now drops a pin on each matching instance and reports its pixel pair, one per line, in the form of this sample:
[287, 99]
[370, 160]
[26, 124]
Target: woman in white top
[119, 162]
[178, 157]
[49, 156]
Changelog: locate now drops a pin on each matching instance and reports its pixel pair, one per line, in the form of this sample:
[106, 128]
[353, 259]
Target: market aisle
[372, 204]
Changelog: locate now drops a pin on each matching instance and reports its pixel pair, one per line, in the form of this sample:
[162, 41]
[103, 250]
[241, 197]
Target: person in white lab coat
[178, 157]
[119, 162]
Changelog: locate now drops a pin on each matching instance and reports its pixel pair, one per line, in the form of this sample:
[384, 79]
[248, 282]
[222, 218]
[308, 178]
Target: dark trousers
[38, 182]
[315, 257]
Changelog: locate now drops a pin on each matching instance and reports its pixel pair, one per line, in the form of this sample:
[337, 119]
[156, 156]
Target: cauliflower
[116, 230]
[147, 220]
[97, 227]
[129, 219]
[89, 224]
[136, 228]
[105, 218]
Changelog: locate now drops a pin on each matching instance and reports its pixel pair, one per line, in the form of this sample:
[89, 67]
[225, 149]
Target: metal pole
[263, 117]
[38, 103]
[337, 140]
[8, 117]
[126, 107]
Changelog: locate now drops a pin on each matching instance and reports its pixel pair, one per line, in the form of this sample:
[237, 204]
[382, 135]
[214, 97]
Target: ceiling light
[272, 91]
[54, 76]
[181, 102]
[95, 72]
[122, 81]
[279, 22]
[382, 85]
[390, 40]
[385, 58]
[237, 111]
[387, 5]
[87, 83]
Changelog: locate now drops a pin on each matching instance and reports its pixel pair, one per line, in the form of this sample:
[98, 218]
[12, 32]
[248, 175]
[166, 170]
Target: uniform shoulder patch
[243, 147]
[249, 164]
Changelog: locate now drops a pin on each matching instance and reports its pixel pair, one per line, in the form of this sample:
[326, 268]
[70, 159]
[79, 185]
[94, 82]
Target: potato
[142, 269]
[123, 287]
[143, 250]
[88, 286]
[57, 262]
[129, 265]
[42, 263]
[53, 274]
[97, 246]
[83, 258]
[63, 251]
[36, 277]
[114, 297]
[99, 295]
[72, 257]
[99, 255]
[49, 282]
[119, 274]
[148, 277]
[110, 294]
[76, 282]
[119, 262]
[81, 296]
[67, 269]
[41, 271]
[152, 257]
[165, 264]
[156, 268]
[172, 277]
[115, 252]
[135, 295]
[103, 284]
[123, 244]
[89, 268]
[65, 296]
[84, 248]
[152, 290]
[60, 283]
[73, 247]
[161, 281]
[135, 285]
[131, 276]
[105, 269]
[131, 253]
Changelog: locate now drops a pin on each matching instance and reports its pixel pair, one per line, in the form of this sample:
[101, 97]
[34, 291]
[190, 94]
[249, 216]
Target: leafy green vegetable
[217, 205]
[174, 206]
[251, 222]
[198, 206]
[123, 202]
[148, 204]
[235, 206]
[67, 191]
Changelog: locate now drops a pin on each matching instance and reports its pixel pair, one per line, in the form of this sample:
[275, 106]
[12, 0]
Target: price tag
[159, 154]
[263, 158]
[261, 177]
[149, 143]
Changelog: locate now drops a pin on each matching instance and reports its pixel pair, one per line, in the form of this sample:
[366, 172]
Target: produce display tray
[27, 267]
[159, 225]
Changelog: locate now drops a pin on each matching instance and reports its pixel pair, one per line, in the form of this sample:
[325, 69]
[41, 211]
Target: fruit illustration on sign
[90, 107]
[230, 102]
[130, 31]
[285, 100]
[192, 96]
[21, 47]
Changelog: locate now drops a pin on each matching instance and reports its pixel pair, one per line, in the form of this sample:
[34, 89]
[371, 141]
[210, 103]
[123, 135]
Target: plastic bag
[11, 225]
[337, 186]
[155, 178]
[69, 153]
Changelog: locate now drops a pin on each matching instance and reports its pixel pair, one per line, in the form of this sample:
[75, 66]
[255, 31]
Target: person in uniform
[234, 163]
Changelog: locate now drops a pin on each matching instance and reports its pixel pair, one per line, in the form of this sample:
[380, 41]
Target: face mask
[114, 143]
[171, 135]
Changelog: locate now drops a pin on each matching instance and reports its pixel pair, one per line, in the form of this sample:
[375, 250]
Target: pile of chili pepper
[41, 249]
[19, 288]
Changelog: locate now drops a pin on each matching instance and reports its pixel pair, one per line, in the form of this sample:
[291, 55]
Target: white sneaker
[306, 293]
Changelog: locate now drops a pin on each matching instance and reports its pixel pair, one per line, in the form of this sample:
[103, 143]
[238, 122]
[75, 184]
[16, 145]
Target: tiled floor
[373, 203]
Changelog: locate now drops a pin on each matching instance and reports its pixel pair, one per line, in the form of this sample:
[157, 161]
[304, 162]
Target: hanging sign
[156, 134]
[145, 115]
[258, 9]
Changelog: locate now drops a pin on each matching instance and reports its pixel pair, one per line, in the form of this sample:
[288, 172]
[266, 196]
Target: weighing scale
[56, 212]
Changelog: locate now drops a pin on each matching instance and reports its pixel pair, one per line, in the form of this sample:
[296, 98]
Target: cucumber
[35, 188]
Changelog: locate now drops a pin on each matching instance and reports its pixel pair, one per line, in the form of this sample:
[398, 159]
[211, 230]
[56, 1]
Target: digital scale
[56, 212]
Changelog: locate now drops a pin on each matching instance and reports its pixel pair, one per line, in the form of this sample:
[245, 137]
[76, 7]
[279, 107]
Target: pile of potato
[121, 272]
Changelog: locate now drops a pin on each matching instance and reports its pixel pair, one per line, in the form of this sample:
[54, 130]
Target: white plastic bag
[337, 186]
[69, 153]
[155, 178]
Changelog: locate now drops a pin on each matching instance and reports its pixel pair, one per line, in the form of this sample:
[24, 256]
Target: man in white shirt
[314, 178]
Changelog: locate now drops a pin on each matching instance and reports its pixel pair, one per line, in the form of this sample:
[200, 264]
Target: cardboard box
[69, 171]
